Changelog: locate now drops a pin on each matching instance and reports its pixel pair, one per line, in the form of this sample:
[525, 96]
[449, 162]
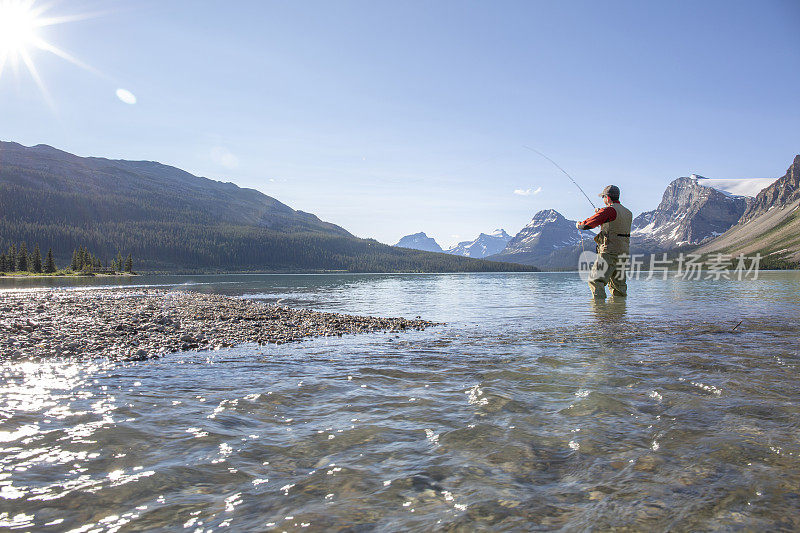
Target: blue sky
[389, 118]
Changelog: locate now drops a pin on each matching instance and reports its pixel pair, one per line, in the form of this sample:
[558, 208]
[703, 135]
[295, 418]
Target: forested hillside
[171, 220]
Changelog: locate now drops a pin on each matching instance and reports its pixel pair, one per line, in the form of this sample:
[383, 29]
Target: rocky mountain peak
[689, 213]
[546, 216]
[419, 241]
[499, 233]
[548, 240]
[781, 193]
[548, 230]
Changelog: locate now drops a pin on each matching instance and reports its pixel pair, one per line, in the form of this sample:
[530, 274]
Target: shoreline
[14, 275]
[135, 324]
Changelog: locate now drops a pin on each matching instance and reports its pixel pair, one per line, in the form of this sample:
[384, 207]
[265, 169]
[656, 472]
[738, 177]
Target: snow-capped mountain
[691, 211]
[483, 246]
[548, 230]
[770, 225]
[548, 241]
[419, 241]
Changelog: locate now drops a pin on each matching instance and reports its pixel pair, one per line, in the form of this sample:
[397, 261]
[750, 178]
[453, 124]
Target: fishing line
[580, 236]
[564, 171]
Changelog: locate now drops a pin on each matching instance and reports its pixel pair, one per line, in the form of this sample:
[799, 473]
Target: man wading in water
[613, 240]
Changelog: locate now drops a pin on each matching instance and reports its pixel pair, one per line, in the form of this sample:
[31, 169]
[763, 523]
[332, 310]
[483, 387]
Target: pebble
[136, 324]
[647, 463]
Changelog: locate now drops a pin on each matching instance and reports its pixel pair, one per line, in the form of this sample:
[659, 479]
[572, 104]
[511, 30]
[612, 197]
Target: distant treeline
[18, 259]
[160, 246]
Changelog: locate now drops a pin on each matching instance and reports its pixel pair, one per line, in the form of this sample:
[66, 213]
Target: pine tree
[129, 264]
[36, 263]
[22, 258]
[120, 262]
[74, 264]
[3, 266]
[86, 261]
[11, 258]
[49, 264]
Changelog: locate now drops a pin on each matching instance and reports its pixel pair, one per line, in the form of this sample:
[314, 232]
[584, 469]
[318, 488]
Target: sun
[20, 22]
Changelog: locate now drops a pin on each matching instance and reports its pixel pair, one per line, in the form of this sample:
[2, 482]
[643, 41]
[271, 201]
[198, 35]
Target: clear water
[532, 409]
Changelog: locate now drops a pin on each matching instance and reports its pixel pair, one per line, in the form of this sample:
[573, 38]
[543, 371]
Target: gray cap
[612, 191]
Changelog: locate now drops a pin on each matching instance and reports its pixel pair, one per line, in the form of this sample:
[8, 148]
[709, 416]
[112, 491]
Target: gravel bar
[142, 324]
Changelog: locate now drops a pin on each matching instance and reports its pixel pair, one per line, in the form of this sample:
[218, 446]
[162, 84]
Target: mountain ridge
[172, 220]
[770, 226]
[483, 245]
[549, 240]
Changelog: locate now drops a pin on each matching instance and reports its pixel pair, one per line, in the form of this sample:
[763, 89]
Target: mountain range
[548, 241]
[171, 220]
[484, 245]
[695, 214]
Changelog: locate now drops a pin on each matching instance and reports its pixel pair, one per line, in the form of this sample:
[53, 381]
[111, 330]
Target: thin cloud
[126, 96]
[527, 192]
[222, 156]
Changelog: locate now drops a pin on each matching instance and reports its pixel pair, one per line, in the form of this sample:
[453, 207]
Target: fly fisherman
[613, 240]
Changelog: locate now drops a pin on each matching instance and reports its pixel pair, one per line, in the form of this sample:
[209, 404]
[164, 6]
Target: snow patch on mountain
[484, 245]
[749, 187]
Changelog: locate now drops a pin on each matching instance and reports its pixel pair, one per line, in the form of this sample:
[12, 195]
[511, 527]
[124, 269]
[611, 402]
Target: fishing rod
[564, 171]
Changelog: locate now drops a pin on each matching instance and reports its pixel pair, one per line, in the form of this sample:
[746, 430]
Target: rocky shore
[141, 324]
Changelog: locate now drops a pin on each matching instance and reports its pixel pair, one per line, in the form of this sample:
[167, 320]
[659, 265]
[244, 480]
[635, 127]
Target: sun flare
[20, 22]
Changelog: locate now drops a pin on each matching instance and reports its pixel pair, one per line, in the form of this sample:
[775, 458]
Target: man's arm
[607, 214]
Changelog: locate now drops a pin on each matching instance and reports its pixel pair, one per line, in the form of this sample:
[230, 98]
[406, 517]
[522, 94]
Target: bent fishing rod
[565, 173]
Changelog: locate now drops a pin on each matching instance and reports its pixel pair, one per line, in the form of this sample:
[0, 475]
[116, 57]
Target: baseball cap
[612, 191]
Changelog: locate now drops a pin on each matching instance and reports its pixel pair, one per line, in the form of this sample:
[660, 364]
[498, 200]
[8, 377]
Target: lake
[532, 408]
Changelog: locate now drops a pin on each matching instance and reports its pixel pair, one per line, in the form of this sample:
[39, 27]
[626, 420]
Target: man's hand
[578, 225]
[597, 209]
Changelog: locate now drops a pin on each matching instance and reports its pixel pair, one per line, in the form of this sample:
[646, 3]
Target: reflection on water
[534, 407]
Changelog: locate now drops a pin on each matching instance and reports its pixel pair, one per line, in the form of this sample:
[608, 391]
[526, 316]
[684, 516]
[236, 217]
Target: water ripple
[647, 416]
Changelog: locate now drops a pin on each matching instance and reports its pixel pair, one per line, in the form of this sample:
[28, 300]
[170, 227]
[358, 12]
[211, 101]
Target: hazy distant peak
[419, 241]
[483, 246]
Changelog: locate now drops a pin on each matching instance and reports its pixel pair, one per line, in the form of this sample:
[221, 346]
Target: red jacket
[607, 214]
